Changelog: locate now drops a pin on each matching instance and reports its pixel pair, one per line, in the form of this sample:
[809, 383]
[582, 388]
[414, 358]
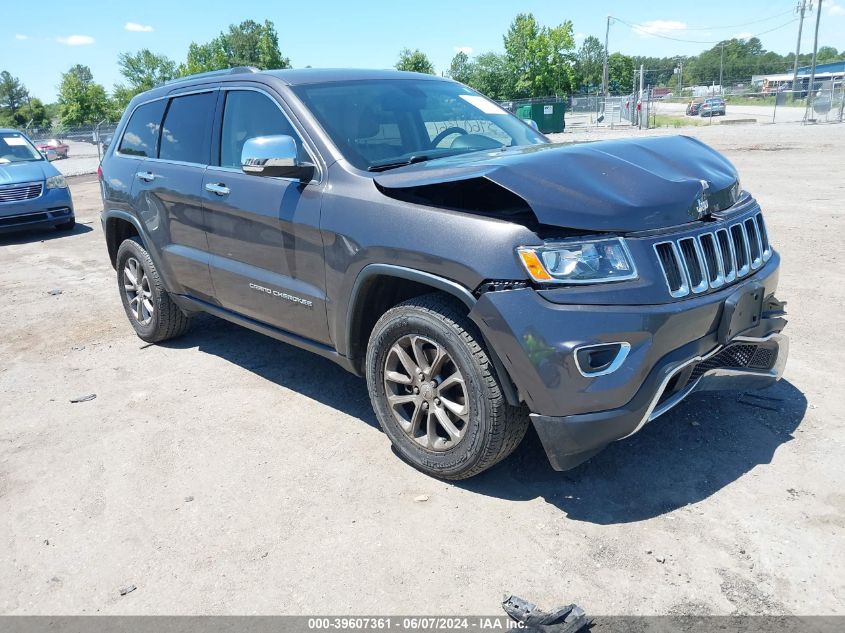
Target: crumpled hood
[11, 173]
[625, 185]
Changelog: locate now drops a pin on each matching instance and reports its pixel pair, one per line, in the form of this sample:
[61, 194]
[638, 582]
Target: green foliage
[143, 70]
[620, 73]
[82, 101]
[246, 44]
[589, 63]
[490, 75]
[17, 108]
[414, 61]
[540, 59]
[460, 68]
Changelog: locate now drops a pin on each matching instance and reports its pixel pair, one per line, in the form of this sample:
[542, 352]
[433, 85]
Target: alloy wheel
[136, 285]
[426, 392]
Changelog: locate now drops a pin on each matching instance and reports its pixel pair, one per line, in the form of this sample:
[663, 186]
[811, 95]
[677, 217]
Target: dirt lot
[228, 473]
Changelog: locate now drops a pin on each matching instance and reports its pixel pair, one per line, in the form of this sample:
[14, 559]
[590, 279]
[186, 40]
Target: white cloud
[18, 36]
[580, 36]
[834, 8]
[466, 50]
[76, 40]
[660, 27]
[138, 28]
[745, 35]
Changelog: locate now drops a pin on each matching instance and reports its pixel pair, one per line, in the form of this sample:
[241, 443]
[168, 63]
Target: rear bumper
[52, 208]
[670, 350]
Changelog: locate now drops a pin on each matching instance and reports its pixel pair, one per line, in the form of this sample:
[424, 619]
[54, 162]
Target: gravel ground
[228, 473]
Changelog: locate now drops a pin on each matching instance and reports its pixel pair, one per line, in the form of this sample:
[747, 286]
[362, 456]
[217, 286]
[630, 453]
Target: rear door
[263, 233]
[169, 191]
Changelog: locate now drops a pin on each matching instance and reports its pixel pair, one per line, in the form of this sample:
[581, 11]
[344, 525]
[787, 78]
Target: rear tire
[148, 306]
[449, 420]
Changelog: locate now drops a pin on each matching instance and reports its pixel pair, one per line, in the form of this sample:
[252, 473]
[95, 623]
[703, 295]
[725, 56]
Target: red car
[61, 149]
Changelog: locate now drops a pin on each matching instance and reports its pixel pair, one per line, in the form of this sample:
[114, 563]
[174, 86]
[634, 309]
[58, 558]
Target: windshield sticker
[482, 104]
[14, 140]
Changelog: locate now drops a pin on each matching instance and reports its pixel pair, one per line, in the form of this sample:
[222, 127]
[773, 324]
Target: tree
[81, 100]
[461, 68]
[540, 58]
[143, 70]
[620, 73]
[414, 61]
[246, 44]
[13, 93]
[489, 75]
[589, 63]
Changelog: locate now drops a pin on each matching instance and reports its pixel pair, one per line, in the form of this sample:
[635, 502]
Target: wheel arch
[119, 226]
[379, 287]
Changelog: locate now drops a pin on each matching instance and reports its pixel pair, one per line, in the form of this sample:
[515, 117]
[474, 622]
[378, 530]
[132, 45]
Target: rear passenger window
[141, 135]
[187, 128]
[249, 114]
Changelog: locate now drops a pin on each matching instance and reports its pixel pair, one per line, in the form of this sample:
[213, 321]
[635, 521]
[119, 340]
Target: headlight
[579, 261]
[56, 182]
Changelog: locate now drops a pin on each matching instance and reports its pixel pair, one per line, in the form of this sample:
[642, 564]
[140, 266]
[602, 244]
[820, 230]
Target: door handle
[217, 188]
[146, 176]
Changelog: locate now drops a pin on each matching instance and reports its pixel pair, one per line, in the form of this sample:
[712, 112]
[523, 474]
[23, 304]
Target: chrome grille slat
[713, 259]
[19, 192]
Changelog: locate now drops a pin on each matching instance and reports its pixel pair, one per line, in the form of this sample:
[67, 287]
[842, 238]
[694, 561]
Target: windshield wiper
[418, 158]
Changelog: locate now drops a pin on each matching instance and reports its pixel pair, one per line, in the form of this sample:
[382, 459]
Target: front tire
[148, 306]
[435, 391]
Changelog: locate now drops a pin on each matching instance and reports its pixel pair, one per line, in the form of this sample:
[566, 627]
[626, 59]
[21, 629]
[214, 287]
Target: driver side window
[248, 114]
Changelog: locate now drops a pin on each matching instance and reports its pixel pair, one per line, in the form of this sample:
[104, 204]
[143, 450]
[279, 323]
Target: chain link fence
[83, 141]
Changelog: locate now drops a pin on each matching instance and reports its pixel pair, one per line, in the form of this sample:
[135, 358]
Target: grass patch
[667, 120]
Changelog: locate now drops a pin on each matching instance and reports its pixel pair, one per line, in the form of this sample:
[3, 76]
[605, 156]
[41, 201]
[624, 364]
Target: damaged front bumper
[730, 339]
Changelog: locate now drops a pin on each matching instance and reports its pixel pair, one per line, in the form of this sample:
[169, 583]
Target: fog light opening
[601, 359]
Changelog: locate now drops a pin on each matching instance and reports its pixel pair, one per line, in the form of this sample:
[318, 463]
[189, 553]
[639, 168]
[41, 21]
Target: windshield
[385, 123]
[16, 148]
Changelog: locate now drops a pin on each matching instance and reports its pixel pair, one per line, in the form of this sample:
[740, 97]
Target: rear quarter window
[141, 135]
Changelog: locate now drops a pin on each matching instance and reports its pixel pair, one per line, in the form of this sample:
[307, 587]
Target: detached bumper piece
[568, 619]
[743, 364]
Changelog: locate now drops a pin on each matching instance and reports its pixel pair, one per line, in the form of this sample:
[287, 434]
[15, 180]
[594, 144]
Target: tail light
[100, 173]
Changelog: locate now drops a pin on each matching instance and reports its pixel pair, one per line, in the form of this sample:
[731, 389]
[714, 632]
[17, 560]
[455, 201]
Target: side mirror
[274, 156]
[532, 124]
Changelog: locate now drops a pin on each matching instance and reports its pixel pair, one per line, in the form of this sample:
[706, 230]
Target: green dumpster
[549, 117]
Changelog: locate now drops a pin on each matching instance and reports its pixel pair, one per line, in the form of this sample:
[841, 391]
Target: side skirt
[192, 304]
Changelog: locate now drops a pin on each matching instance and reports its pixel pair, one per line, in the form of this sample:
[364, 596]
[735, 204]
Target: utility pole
[604, 68]
[811, 94]
[721, 66]
[681, 79]
[802, 6]
[640, 101]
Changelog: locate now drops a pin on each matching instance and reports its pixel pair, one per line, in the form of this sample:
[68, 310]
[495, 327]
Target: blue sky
[39, 44]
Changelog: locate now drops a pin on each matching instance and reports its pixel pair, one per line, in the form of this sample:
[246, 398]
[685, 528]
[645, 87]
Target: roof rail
[237, 70]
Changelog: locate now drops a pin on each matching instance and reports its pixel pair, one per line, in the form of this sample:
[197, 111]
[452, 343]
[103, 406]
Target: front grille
[17, 193]
[712, 259]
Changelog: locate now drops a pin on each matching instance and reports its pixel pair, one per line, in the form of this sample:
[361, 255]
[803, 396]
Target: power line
[736, 26]
[645, 31]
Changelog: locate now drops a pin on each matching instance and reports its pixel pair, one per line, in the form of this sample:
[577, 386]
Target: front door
[266, 250]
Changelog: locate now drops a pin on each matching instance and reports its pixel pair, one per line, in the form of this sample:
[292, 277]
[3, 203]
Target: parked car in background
[416, 233]
[32, 192]
[693, 107]
[60, 149]
[712, 107]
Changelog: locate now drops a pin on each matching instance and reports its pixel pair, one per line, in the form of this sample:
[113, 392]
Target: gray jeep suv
[414, 232]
